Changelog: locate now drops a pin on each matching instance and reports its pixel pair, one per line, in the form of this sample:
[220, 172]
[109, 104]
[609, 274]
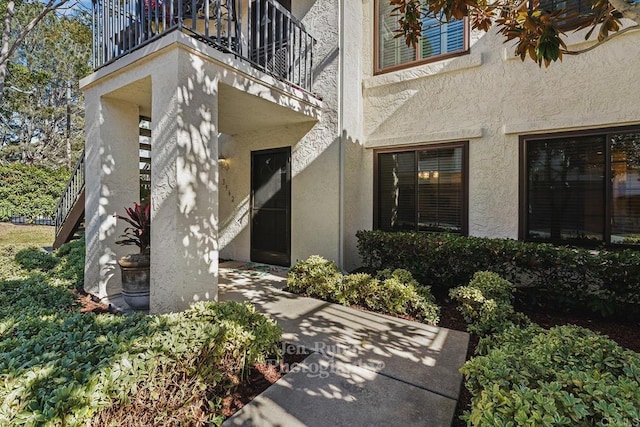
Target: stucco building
[280, 128]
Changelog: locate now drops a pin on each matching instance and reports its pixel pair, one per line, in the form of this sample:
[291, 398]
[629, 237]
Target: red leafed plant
[139, 233]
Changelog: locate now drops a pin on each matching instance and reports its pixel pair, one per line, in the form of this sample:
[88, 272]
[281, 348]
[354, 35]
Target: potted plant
[135, 267]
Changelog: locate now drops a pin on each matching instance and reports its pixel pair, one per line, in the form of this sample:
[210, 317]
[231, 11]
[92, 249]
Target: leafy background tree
[41, 116]
[45, 51]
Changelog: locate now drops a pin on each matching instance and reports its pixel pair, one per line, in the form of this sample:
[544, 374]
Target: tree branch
[49, 7]
[17, 89]
[606, 39]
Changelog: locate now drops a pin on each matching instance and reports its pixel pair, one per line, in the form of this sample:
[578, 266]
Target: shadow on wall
[320, 169]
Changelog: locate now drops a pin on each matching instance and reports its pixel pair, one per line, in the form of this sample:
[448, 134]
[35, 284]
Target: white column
[111, 184]
[184, 184]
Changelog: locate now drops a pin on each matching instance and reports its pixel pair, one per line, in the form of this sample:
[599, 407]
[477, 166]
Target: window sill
[424, 138]
[422, 71]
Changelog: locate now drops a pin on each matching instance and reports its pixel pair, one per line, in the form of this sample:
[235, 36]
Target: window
[578, 12]
[422, 189]
[439, 40]
[582, 188]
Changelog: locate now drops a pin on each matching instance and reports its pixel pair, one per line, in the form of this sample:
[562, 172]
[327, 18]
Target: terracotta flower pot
[135, 280]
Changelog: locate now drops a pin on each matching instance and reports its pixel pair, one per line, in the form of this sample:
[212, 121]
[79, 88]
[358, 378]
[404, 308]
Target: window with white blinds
[422, 189]
[438, 39]
[583, 188]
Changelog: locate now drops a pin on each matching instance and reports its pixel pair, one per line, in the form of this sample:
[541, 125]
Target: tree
[537, 26]
[11, 43]
[40, 117]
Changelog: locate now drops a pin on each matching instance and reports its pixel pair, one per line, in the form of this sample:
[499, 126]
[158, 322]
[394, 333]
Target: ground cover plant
[62, 367]
[523, 374]
[606, 282]
[393, 292]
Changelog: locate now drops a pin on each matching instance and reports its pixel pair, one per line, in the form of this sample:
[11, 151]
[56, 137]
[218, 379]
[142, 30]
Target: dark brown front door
[271, 206]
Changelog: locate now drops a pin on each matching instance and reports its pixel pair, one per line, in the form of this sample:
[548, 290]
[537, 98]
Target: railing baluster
[272, 23]
[230, 11]
[194, 14]
[70, 196]
[249, 31]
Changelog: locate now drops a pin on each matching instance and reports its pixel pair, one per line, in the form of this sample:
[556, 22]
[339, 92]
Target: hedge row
[607, 282]
[30, 191]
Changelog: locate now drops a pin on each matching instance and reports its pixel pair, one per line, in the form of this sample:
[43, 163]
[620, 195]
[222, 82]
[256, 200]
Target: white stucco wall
[315, 162]
[490, 98]
[177, 81]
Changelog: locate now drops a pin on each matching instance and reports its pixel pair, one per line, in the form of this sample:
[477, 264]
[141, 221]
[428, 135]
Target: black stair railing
[71, 193]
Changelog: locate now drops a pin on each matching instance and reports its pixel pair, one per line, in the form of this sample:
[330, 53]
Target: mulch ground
[261, 377]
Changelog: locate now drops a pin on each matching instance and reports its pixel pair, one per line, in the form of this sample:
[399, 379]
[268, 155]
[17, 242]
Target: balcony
[261, 33]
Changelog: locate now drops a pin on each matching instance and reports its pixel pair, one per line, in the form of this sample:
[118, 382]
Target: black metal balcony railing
[260, 32]
[71, 194]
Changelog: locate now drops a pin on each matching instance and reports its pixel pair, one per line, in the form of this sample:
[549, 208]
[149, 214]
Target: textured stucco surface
[111, 185]
[314, 157]
[177, 82]
[184, 186]
[490, 98]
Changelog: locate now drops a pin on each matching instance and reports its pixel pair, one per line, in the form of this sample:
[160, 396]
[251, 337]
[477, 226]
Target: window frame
[376, 47]
[523, 184]
[464, 215]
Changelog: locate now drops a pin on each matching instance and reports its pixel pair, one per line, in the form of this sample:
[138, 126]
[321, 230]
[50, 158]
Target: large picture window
[422, 189]
[582, 188]
[438, 40]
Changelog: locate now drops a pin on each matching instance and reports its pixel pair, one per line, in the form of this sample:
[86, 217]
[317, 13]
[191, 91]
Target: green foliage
[30, 191]
[565, 376]
[392, 292]
[33, 111]
[485, 303]
[36, 259]
[71, 265]
[605, 282]
[315, 275]
[61, 367]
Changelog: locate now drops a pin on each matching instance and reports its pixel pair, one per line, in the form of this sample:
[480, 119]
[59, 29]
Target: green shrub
[392, 292]
[485, 303]
[71, 265]
[555, 277]
[35, 259]
[30, 191]
[563, 376]
[315, 275]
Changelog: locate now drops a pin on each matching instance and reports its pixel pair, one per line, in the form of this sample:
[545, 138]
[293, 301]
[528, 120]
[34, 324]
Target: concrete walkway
[366, 369]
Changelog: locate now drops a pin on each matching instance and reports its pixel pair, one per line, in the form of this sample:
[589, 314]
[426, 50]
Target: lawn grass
[13, 239]
[26, 235]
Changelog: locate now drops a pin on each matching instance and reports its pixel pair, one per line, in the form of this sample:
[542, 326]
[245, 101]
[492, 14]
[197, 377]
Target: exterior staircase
[70, 211]
[69, 215]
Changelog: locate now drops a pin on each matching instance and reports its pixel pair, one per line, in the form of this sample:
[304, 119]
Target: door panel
[271, 206]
